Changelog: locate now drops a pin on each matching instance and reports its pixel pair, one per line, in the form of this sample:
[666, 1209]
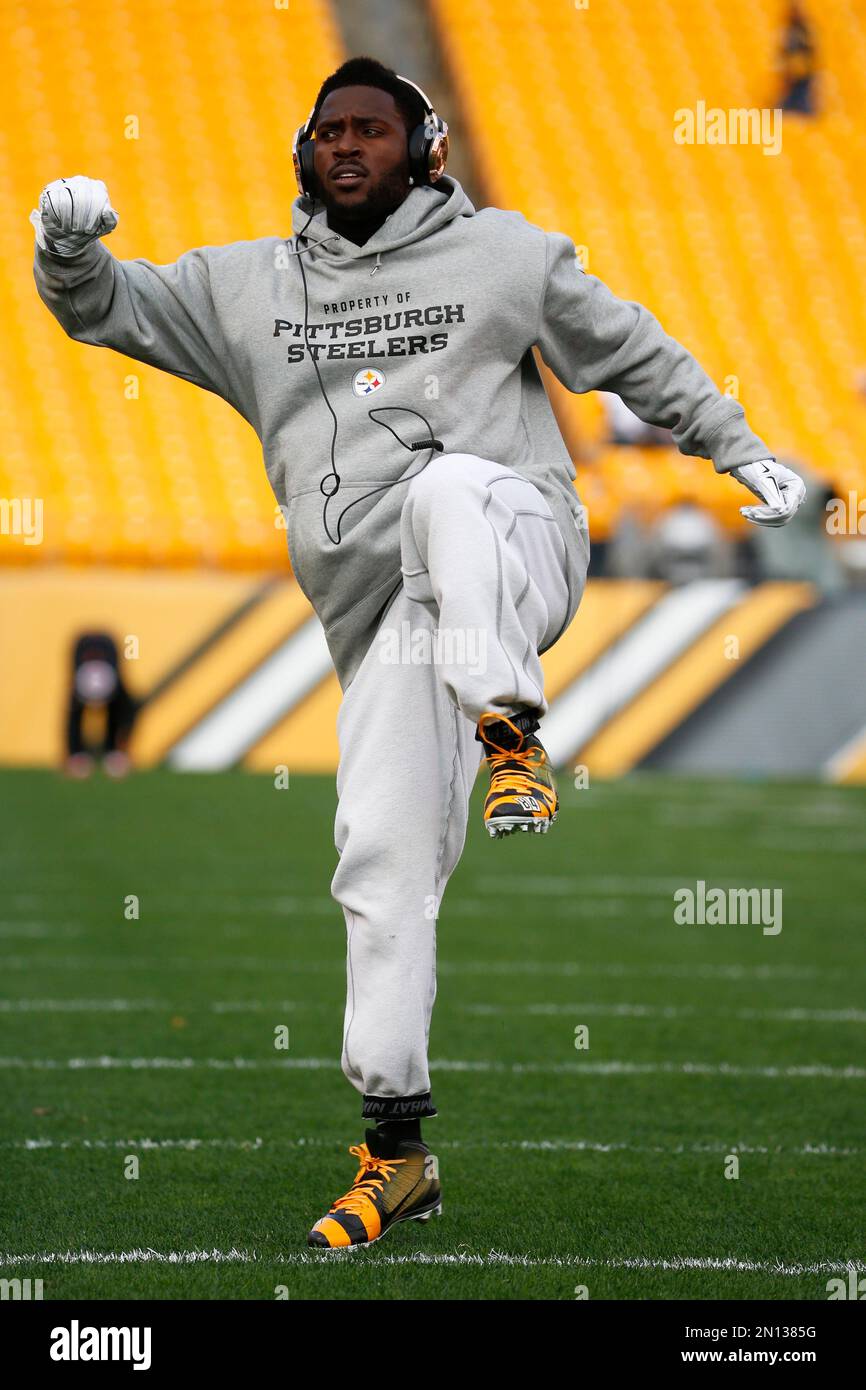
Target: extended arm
[592, 341]
[159, 314]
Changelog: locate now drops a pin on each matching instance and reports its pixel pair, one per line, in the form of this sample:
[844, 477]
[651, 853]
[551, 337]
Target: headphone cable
[329, 484]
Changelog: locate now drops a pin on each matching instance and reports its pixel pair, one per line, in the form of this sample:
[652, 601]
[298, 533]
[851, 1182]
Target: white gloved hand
[71, 214]
[781, 491]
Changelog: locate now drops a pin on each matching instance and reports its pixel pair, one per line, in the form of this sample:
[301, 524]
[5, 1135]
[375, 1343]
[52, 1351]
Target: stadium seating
[752, 260]
[134, 467]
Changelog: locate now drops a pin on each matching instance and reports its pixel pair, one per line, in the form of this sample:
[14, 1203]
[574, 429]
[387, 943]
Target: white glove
[71, 214]
[781, 491]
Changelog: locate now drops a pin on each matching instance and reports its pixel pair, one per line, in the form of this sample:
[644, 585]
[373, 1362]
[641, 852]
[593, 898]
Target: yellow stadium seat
[753, 261]
[135, 467]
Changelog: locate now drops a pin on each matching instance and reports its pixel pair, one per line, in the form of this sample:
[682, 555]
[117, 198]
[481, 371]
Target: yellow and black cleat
[522, 793]
[387, 1189]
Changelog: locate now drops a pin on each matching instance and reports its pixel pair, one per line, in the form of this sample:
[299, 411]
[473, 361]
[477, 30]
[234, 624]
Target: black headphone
[428, 147]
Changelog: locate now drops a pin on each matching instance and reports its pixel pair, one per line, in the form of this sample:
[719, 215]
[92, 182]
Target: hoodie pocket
[317, 520]
[338, 577]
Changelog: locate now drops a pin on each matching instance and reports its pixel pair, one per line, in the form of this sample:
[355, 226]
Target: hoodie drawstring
[313, 245]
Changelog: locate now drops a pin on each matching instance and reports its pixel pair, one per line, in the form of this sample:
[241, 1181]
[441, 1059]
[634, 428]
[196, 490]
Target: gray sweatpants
[484, 588]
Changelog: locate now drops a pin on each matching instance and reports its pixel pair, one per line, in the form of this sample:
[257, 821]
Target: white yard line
[799, 1015]
[586, 1008]
[609, 1068]
[286, 965]
[620, 885]
[121, 963]
[110, 1006]
[520, 1145]
[617, 970]
[81, 1006]
[491, 1260]
[793, 1015]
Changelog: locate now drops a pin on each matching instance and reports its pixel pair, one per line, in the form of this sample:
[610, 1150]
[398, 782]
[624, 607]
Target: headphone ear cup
[419, 151]
[307, 160]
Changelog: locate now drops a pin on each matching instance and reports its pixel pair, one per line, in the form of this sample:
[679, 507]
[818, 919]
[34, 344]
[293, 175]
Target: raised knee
[446, 473]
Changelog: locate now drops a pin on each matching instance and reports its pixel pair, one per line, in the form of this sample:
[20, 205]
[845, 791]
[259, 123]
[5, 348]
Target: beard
[382, 197]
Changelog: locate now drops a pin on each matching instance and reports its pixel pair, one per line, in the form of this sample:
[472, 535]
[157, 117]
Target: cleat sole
[507, 825]
[425, 1215]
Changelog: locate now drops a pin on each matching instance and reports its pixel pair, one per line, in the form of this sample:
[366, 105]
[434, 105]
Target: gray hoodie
[437, 315]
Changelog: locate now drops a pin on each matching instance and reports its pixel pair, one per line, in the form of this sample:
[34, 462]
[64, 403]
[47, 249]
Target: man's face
[361, 153]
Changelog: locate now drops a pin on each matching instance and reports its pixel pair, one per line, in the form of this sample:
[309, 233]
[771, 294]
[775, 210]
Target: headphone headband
[428, 147]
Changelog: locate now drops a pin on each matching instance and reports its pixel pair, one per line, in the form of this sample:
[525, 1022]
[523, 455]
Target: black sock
[399, 1129]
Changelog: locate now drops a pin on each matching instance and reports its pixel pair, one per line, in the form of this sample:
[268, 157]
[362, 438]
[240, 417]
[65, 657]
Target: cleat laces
[367, 1180]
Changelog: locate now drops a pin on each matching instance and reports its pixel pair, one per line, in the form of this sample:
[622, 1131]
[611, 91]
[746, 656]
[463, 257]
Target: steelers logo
[367, 381]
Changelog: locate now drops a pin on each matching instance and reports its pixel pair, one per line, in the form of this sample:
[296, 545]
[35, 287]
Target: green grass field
[602, 1167]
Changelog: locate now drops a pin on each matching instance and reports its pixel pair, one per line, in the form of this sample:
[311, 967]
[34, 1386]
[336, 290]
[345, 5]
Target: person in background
[798, 62]
[98, 692]
[684, 543]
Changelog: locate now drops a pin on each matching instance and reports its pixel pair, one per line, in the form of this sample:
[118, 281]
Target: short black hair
[369, 72]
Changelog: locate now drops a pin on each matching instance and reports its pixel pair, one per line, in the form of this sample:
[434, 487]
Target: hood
[422, 212]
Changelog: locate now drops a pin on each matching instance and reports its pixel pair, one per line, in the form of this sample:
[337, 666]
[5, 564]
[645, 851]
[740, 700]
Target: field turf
[604, 1168]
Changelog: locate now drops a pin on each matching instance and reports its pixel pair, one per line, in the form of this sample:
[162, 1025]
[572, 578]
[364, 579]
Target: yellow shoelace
[364, 1187]
[521, 782]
